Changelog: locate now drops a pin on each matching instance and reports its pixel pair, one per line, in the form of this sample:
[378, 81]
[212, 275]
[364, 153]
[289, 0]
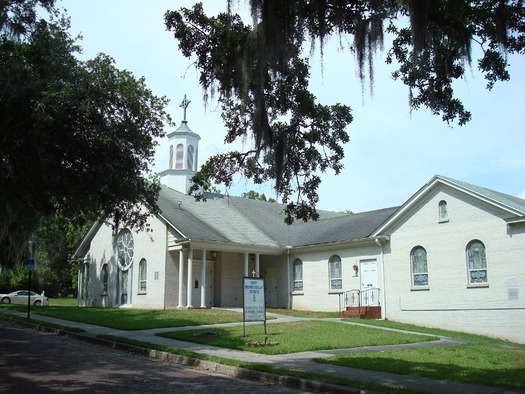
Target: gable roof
[253, 222]
[241, 221]
[514, 206]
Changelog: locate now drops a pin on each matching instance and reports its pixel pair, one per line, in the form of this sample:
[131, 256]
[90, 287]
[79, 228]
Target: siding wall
[449, 302]
[151, 246]
[316, 294]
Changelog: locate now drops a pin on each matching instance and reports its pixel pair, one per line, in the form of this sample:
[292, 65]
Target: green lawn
[63, 301]
[135, 319]
[433, 331]
[470, 363]
[296, 337]
[485, 361]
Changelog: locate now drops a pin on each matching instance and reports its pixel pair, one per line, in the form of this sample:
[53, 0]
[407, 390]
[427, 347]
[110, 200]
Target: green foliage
[54, 241]
[253, 195]
[261, 78]
[13, 278]
[74, 136]
[295, 137]
[43, 278]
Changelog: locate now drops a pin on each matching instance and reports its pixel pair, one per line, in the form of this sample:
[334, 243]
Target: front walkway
[301, 361]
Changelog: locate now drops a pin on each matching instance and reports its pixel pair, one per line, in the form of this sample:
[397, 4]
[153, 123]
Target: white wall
[148, 245]
[316, 294]
[449, 302]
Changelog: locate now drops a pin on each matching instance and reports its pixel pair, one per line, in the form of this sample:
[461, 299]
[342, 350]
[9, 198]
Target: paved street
[33, 362]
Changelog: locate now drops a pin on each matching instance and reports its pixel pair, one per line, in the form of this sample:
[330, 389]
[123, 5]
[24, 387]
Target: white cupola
[183, 154]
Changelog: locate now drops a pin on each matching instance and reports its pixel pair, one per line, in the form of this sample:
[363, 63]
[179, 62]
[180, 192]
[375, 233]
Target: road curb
[292, 382]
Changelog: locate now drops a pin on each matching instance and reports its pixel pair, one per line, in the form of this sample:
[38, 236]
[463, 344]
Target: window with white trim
[419, 266]
[297, 275]
[443, 211]
[143, 274]
[336, 273]
[476, 262]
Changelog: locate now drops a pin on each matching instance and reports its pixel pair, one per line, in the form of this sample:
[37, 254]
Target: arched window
[297, 275]
[336, 273]
[171, 157]
[189, 159]
[179, 160]
[143, 275]
[476, 262]
[419, 266]
[105, 279]
[443, 211]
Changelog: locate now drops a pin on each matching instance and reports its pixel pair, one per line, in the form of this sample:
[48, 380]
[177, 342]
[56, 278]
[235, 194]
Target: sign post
[30, 267]
[254, 305]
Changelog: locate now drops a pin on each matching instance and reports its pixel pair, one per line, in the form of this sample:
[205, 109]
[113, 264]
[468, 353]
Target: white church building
[452, 256]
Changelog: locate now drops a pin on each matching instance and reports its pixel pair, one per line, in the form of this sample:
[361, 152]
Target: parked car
[20, 297]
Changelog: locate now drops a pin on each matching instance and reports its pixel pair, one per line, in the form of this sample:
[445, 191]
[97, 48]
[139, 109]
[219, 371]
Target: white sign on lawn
[254, 305]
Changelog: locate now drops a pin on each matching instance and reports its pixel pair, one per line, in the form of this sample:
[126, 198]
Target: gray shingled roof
[349, 227]
[252, 222]
[502, 198]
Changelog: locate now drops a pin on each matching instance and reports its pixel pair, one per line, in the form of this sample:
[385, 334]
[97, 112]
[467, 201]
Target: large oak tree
[260, 76]
[74, 136]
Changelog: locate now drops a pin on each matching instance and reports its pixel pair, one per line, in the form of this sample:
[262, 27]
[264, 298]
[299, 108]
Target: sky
[392, 151]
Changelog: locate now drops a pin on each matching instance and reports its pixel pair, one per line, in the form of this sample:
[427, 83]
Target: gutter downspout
[381, 242]
[289, 290]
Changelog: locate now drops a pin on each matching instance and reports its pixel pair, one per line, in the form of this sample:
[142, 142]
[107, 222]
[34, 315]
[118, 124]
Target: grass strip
[295, 337]
[434, 331]
[470, 363]
[137, 319]
[261, 367]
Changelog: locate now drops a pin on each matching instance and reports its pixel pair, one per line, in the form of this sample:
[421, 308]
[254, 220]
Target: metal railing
[358, 298]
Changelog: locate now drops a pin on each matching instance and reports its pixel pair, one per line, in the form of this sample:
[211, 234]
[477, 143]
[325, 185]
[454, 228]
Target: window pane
[443, 210]
[419, 266]
[180, 157]
[189, 160]
[143, 270]
[336, 282]
[105, 278]
[476, 255]
[298, 270]
[477, 262]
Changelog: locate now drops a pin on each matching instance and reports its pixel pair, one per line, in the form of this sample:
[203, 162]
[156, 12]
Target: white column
[181, 277]
[257, 266]
[203, 279]
[190, 276]
[246, 263]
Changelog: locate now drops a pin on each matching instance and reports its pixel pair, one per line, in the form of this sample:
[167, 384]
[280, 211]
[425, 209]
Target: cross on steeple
[184, 105]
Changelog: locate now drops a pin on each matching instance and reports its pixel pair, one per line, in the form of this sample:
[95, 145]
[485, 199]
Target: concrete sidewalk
[300, 361]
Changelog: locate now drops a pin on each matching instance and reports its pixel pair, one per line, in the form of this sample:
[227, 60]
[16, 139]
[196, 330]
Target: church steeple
[183, 154]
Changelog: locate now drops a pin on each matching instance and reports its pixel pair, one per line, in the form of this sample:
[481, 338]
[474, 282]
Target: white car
[20, 297]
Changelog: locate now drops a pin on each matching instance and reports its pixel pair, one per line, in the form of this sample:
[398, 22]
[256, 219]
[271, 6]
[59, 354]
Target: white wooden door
[369, 281]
